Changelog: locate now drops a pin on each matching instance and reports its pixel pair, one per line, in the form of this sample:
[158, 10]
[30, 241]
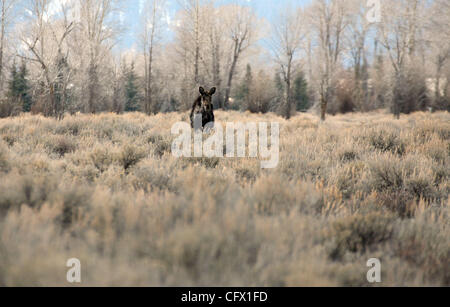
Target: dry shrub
[9, 108]
[130, 155]
[101, 158]
[388, 173]
[421, 186]
[26, 190]
[348, 155]
[422, 244]
[199, 253]
[427, 128]
[385, 141]
[437, 149]
[4, 158]
[61, 145]
[154, 138]
[9, 139]
[355, 187]
[441, 174]
[359, 233]
[204, 161]
[161, 147]
[348, 178]
[69, 127]
[401, 182]
[345, 100]
[246, 174]
[150, 177]
[273, 195]
[74, 200]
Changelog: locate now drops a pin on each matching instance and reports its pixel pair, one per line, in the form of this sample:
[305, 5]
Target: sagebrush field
[105, 189]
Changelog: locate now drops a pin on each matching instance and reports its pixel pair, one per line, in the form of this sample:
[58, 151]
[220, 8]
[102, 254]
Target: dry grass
[105, 189]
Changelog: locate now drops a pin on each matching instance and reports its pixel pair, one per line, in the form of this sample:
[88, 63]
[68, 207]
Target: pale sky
[264, 8]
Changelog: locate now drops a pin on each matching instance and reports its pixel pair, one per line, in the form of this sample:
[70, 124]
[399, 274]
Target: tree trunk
[287, 112]
[216, 73]
[151, 109]
[323, 108]
[146, 106]
[92, 88]
[287, 107]
[2, 41]
[324, 98]
[231, 74]
[437, 85]
[197, 43]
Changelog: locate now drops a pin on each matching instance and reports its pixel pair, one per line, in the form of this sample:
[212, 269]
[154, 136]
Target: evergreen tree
[132, 97]
[13, 83]
[18, 88]
[243, 93]
[247, 81]
[60, 89]
[300, 96]
[24, 89]
[279, 85]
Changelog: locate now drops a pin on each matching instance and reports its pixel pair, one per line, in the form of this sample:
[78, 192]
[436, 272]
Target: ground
[106, 189]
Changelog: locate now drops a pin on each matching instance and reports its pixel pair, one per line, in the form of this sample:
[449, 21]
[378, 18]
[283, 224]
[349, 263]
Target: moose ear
[212, 91]
[202, 90]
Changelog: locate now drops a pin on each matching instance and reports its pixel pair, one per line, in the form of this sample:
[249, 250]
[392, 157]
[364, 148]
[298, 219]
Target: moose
[203, 106]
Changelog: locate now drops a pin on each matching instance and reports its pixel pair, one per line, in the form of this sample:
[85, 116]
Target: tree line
[61, 56]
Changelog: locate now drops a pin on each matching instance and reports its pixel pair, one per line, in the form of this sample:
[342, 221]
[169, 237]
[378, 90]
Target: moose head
[206, 97]
[203, 107]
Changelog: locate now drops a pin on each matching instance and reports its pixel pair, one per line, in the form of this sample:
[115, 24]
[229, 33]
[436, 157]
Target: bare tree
[329, 20]
[210, 40]
[399, 35]
[44, 41]
[69, 46]
[242, 27]
[191, 30]
[216, 38]
[190, 40]
[398, 31]
[99, 31]
[287, 37]
[153, 20]
[7, 10]
[356, 41]
[439, 36]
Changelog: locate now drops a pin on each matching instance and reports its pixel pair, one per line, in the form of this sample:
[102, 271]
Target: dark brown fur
[203, 106]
